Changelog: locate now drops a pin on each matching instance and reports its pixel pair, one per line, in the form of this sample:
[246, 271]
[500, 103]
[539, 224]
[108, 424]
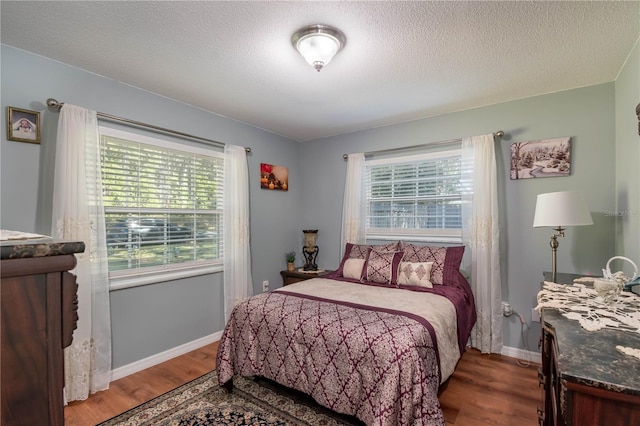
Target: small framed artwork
[274, 177]
[23, 125]
[541, 158]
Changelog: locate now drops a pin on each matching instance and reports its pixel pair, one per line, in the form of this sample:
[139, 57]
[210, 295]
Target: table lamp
[558, 210]
[310, 249]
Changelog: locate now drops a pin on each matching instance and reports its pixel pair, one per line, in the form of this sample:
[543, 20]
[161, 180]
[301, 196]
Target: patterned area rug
[253, 402]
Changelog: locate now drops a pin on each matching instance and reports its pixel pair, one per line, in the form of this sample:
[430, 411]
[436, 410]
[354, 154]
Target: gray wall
[153, 318]
[586, 115]
[157, 317]
[627, 169]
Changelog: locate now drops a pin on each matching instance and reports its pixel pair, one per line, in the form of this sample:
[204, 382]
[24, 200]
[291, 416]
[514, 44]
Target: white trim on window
[425, 156]
[128, 281]
[148, 140]
[180, 217]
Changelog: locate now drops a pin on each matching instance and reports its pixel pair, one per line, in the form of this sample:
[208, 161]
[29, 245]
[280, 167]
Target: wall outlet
[535, 316]
[506, 309]
[265, 285]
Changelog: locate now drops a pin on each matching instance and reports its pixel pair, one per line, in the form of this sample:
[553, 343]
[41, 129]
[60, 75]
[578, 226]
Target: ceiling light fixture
[318, 44]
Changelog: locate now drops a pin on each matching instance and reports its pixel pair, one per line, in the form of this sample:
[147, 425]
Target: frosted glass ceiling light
[318, 44]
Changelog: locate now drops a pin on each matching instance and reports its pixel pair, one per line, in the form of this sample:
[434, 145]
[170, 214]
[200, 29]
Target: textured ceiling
[402, 60]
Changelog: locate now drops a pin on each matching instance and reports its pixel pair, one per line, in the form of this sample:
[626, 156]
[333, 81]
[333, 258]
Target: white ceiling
[402, 60]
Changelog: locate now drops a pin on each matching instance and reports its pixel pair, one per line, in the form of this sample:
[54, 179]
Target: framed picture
[274, 177]
[541, 158]
[23, 125]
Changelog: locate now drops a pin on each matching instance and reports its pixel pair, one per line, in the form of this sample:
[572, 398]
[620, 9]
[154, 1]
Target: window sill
[417, 238]
[119, 283]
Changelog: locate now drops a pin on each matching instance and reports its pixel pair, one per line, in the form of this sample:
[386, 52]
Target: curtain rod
[498, 134]
[53, 103]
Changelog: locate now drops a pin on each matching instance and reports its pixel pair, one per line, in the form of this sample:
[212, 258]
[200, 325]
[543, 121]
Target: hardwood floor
[491, 390]
[484, 390]
[140, 387]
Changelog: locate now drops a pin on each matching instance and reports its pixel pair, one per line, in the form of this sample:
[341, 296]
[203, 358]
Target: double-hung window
[417, 196]
[163, 207]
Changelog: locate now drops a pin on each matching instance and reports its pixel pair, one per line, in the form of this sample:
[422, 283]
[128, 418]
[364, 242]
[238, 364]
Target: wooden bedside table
[290, 277]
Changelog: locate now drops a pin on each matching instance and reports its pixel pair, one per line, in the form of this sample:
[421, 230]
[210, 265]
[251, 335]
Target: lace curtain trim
[481, 332]
[482, 232]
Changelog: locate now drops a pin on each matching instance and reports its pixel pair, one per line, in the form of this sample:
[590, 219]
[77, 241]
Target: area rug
[202, 402]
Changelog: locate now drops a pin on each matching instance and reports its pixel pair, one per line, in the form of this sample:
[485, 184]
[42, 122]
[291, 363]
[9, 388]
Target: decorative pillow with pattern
[415, 274]
[446, 260]
[353, 268]
[360, 251]
[382, 267]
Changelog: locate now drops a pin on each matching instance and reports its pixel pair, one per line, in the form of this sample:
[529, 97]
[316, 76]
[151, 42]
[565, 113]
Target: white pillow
[353, 268]
[415, 273]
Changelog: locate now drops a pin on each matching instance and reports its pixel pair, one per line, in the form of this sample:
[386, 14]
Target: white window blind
[163, 204]
[417, 196]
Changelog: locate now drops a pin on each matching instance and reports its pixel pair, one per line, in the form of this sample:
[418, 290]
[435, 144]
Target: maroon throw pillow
[446, 260]
[382, 266]
[360, 251]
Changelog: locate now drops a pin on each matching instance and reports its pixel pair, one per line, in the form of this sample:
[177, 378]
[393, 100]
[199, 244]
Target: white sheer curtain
[78, 215]
[481, 236]
[353, 206]
[238, 284]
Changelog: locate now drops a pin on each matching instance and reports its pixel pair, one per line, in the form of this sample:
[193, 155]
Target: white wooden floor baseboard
[522, 354]
[156, 359]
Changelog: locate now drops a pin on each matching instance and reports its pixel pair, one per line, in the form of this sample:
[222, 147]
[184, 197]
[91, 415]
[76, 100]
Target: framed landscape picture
[541, 158]
[23, 125]
[274, 177]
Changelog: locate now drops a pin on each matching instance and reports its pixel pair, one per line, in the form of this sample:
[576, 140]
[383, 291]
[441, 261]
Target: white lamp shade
[561, 209]
[318, 48]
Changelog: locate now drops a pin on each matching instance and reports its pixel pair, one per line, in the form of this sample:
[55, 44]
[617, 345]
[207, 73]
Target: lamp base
[554, 250]
[310, 255]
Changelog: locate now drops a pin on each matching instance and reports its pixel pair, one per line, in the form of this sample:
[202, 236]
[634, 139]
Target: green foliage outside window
[163, 206]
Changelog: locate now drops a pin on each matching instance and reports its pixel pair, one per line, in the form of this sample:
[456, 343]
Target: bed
[374, 339]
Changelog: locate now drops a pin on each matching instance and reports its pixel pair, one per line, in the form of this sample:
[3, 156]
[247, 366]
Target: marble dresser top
[15, 249]
[591, 358]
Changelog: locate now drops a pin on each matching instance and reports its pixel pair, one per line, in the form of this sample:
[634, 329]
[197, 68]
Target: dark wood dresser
[586, 380]
[39, 313]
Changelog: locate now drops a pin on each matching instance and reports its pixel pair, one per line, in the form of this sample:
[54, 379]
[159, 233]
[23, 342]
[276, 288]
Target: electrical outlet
[265, 285]
[506, 309]
[535, 316]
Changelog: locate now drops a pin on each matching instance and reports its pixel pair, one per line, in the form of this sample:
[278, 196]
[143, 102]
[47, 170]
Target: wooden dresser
[39, 313]
[586, 381]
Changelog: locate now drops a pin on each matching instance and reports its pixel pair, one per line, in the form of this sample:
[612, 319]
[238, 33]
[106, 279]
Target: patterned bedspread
[379, 364]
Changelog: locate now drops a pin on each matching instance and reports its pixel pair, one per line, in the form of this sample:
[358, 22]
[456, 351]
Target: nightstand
[290, 277]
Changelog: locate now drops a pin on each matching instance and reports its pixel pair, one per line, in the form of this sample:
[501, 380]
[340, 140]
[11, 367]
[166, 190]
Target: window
[163, 205]
[418, 196]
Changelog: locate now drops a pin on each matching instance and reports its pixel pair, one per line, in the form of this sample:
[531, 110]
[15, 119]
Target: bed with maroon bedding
[374, 339]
